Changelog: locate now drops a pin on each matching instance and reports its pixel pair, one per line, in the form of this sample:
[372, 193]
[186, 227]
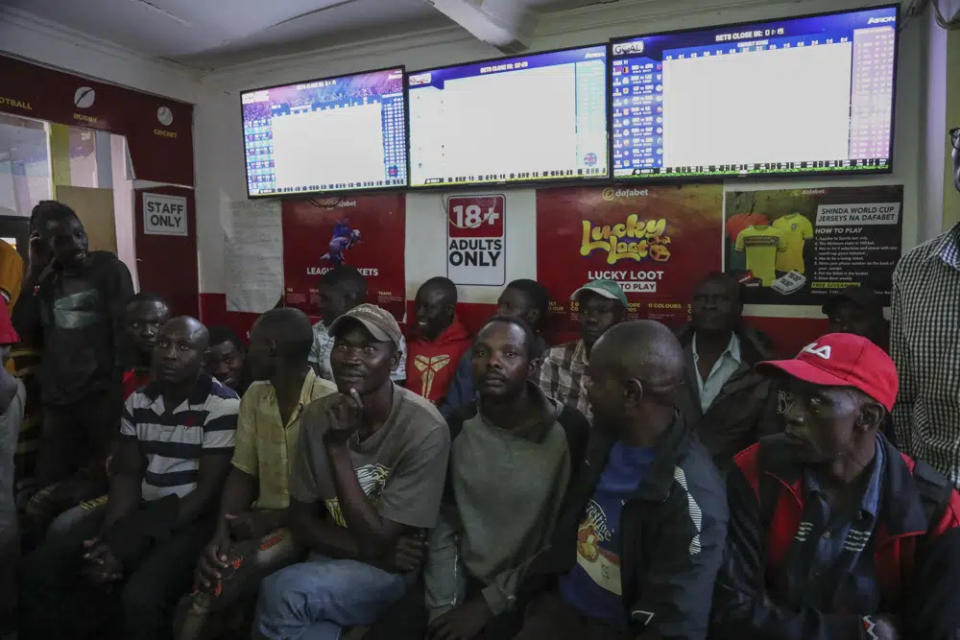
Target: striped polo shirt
[173, 441]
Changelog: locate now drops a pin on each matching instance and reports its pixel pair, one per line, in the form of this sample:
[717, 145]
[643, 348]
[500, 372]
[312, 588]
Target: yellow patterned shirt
[265, 448]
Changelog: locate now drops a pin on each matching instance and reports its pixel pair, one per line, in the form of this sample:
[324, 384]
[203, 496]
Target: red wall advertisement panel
[366, 232]
[656, 242]
[166, 242]
[159, 130]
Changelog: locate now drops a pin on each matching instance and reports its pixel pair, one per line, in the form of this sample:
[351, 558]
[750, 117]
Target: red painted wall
[789, 335]
[167, 265]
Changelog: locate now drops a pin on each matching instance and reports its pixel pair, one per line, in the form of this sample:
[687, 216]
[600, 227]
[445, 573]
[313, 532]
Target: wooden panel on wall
[94, 207]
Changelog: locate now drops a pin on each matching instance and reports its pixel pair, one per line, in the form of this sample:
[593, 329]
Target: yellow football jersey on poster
[762, 243]
[796, 230]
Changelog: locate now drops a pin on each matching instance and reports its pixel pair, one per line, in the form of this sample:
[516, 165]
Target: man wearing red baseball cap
[828, 520]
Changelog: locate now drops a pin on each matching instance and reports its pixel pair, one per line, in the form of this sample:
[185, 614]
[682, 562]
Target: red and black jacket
[765, 492]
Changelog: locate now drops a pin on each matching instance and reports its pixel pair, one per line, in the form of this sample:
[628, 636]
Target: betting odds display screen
[802, 95]
[533, 118]
[334, 134]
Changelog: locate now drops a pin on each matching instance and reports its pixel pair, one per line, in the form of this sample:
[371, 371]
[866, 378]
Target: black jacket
[672, 535]
[78, 319]
[746, 407]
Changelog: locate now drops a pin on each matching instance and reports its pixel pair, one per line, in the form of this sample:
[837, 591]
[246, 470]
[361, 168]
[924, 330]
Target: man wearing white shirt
[722, 397]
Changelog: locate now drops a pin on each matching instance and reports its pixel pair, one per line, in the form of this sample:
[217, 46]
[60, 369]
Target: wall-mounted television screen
[534, 118]
[346, 133]
[807, 95]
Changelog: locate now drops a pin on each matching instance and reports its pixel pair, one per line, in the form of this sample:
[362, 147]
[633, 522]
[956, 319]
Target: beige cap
[378, 321]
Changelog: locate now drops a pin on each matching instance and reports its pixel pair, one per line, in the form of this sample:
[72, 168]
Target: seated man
[438, 340]
[828, 520]
[252, 540]
[723, 399]
[858, 310]
[176, 438]
[524, 299]
[602, 304]
[511, 459]
[370, 468]
[641, 533]
[226, 358]
[341, 289]
[143, 317]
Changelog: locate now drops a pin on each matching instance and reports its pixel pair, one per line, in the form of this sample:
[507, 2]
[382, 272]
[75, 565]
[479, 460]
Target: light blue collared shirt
[725, 366]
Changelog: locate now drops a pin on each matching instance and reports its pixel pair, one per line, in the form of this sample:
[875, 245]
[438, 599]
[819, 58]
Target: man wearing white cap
[562, 375]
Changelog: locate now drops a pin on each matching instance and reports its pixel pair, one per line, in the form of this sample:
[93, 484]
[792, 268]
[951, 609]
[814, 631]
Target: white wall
[220, 173]
[25, 36]
[933, 118]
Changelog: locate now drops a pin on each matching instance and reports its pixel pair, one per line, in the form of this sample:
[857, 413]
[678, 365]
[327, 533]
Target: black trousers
[77, 435]
[56, 602]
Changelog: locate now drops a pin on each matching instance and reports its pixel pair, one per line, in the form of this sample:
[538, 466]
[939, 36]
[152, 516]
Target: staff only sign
[365, 232]
[164, 215]
[655, 242]
[476, 240]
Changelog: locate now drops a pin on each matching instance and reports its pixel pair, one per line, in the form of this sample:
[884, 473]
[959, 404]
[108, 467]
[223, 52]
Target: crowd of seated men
[344, 480]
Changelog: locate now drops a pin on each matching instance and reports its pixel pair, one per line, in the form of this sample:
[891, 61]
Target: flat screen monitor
[807, 95]
[346, 133]
[534, 118]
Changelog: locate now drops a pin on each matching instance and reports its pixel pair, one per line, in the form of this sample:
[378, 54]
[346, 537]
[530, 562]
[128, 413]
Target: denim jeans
[313, 600]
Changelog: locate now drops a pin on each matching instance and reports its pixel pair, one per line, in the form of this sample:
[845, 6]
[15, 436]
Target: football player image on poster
[656, 243]
[342, 239]
[796, 246]
[365, 232]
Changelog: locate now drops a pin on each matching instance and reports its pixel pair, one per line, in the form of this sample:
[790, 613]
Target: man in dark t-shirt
[73, 304]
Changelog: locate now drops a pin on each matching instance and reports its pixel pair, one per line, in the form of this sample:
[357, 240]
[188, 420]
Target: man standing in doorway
[438, 341]
[341, 289]
[925, 322]
[76, 302]
[602, 304]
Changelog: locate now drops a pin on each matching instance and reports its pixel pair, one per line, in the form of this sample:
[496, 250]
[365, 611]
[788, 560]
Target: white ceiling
[214, 33]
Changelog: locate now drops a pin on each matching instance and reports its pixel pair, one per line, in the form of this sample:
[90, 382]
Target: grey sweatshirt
[507, 488]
